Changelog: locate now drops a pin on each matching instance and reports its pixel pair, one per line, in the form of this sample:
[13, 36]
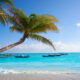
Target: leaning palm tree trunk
[13, 45]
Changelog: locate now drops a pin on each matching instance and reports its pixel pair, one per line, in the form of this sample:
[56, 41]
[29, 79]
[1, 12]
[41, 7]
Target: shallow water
[36, 62]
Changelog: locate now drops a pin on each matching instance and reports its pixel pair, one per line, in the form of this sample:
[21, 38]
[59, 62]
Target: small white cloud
[63, 47]
[78, 24]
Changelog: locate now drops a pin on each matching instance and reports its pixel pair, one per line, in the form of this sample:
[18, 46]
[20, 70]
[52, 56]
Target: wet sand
[24, 76]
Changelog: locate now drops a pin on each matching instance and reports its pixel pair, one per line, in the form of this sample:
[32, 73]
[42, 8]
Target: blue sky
[68, 14]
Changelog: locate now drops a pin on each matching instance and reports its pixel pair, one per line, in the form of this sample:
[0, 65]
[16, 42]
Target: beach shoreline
[39, 68]
[39, 76]
[6, 71]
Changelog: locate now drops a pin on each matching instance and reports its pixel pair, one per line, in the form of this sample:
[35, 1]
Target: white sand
[25, 76]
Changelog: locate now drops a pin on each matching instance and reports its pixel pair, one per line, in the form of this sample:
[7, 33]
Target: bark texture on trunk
[13, 45]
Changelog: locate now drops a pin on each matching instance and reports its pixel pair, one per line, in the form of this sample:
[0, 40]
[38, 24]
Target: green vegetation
[29, 26]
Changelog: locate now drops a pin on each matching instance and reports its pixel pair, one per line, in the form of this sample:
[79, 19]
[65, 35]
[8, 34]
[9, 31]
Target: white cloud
[78, 24]
[42, 48]
[63, 47]
[33, 48]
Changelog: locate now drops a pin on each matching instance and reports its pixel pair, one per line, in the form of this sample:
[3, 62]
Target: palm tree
[30, 26]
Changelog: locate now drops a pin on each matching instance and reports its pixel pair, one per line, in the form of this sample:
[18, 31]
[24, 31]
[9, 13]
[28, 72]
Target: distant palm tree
[30, 26]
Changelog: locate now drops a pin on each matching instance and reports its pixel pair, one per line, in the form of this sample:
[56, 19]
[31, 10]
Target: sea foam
[4, 71]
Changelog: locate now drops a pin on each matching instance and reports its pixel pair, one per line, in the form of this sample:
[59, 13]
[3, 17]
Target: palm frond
[13, 21]
[44, 27]
[14, 28]
[42, 39]
[49, 18]
[42, 23]
[13, 16]
[19, 16]
[7, 2]
[3, 18]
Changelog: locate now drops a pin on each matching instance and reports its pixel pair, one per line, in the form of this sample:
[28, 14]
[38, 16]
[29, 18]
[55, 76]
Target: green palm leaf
[42, 23]
[7, 2]
[44, 27]
[42, 39]
[3, 18]
[14, 28]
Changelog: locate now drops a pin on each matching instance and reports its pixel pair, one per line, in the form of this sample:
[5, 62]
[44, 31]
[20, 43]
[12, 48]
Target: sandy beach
[24, 76]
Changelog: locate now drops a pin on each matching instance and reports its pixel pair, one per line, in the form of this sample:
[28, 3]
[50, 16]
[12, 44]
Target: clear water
[70, 62]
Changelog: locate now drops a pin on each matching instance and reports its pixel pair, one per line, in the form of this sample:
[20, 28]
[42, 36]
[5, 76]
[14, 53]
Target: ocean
[64, 63]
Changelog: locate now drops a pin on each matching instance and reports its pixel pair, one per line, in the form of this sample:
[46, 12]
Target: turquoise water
[70, 62]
